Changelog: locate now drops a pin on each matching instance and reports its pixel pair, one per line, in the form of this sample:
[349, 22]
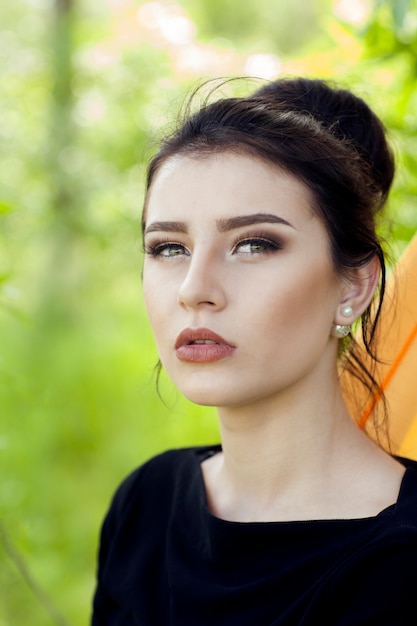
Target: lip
[189, 346]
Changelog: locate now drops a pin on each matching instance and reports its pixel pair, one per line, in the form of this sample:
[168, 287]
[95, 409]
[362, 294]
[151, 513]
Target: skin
[269, 289]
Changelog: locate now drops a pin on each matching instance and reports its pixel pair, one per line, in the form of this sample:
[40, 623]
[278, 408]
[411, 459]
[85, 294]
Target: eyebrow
[167, 227]
[230, 223]
[223, 225]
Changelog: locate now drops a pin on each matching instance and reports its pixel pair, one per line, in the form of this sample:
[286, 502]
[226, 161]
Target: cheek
[152, 299]
[158, 297]
[302, 305]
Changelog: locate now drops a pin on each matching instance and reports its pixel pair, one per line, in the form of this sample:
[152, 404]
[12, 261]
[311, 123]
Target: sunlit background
[86, 87]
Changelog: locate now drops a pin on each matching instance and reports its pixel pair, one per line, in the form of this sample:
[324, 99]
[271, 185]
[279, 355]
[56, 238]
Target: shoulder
[389, 544]
[144, 502]
[157, 479]
[380, 563]
[376, 583]
[384, 547]
[133, 533]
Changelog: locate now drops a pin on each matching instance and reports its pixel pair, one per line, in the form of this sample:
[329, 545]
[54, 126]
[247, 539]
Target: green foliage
[283, 27]
[84, 94]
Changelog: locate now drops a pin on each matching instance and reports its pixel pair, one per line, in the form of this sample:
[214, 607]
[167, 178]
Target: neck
[282, 455]
[281, 437]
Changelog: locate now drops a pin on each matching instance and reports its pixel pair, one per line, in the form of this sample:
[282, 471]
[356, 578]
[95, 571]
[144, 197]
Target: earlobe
[358, 292]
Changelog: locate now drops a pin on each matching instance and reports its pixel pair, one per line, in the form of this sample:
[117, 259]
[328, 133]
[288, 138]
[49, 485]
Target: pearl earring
[340, 331]
[347, 310]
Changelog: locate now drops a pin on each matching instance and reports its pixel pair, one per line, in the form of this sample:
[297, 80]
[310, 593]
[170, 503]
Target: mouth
[201, 345]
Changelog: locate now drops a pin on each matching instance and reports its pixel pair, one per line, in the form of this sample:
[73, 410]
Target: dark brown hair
[325, 136]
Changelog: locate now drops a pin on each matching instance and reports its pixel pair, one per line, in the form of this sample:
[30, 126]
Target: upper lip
[189, 335]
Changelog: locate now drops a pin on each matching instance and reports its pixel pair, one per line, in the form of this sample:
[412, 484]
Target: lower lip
[204, 353]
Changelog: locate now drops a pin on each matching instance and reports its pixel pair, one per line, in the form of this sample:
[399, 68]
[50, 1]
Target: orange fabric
[395, 365]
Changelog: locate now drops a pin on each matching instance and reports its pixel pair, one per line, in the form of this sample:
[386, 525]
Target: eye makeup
[258, 242]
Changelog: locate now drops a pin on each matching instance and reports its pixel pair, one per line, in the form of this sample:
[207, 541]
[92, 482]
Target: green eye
[166, 250]
[170, 250]
[255, 246]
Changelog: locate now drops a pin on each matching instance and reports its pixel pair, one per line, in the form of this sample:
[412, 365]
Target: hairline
[201, 153]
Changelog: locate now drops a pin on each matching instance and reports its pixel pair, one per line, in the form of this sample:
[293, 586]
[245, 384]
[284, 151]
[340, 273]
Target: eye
[254, 246]
[166, 250]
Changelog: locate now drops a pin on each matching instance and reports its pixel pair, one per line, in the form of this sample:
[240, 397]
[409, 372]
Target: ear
[358, 291]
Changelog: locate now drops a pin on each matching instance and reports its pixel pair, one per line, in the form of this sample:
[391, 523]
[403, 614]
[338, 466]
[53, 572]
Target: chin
[217, 397]
[202, 398]
[205, 395]
[216, 390]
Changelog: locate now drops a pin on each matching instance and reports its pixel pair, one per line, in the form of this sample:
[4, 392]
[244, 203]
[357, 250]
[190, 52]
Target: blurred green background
[86, 86]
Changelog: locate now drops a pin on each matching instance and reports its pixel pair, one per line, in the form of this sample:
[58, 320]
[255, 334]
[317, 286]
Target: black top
[165, 560]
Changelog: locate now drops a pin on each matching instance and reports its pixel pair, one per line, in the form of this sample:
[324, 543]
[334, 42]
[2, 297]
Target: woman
[260, 254]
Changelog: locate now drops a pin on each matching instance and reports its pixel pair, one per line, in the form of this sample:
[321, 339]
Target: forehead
[219, 185]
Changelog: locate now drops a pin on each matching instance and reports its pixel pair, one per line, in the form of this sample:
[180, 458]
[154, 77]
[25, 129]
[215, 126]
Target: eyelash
[271, 245]
[156, 249]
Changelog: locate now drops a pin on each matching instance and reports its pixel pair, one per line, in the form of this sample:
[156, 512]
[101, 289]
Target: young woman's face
[238, 280]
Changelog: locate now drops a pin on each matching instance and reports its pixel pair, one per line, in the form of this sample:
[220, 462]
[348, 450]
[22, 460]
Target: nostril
[201, 289]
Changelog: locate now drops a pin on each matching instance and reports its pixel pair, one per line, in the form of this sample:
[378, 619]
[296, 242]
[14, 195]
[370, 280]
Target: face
[238, 280]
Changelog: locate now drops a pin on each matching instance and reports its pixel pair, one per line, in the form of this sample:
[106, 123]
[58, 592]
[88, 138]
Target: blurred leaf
[400, 9]
[4, 277]
[5, 207]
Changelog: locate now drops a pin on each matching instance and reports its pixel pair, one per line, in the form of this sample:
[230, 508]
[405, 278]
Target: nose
[202, 285]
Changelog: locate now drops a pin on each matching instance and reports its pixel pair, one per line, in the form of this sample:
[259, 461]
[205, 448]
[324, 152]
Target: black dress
[165, 560]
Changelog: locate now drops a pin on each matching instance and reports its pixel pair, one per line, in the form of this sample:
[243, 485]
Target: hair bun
[345, 115]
